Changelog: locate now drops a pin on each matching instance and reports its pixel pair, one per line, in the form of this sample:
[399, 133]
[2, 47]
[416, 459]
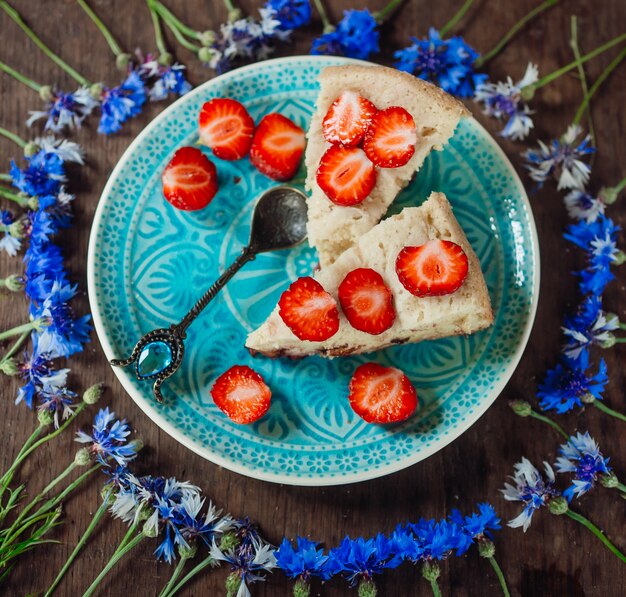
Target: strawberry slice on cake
[371, 131]
[412, 277]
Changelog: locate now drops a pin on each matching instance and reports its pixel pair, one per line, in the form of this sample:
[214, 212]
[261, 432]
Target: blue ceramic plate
[149, 262]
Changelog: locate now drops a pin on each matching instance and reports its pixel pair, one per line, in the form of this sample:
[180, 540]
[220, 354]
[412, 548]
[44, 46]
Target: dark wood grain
[555, 557]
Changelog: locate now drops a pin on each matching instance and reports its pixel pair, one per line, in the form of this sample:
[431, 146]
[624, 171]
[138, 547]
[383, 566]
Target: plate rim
[162, 421]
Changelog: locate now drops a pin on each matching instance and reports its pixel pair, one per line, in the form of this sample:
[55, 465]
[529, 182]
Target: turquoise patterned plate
[148, 263]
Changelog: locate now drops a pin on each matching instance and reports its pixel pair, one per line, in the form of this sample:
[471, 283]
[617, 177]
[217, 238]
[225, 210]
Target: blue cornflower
[435, 539]
[163, 519]
[448, 63]
[67, 150]
[581, 205]
[193, 525]
[504, 101]
[561, 159]
[476, 526]
[65, 334]
[36, 370]
[44, 267]
[531, 489]
[41, 224]
[581, 456]
[121, 103]
[355, 36]
[292, 14]
[590, 325]
[161, 80]
[65, 110]
[247, 561]
[43, 175]
[568, 384]
[362, 558]
[57, 401]
[9, 241]
[108, 439]
[304, 562]
[59, 208]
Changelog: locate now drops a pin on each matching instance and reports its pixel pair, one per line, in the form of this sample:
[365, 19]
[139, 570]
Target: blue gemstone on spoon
[154, 358]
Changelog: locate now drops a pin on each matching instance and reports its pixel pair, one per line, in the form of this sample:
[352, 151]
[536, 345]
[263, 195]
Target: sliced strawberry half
[309, 311]
[241, 394]
[382, 394]
[189, 180]
[366, 301]
[226, 127]
[277, 147]
[347, 119]
[346, 175]
[432, 269]
[390, 139]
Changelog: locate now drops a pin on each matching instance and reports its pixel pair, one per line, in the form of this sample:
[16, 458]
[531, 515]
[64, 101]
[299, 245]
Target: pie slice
[417, 318]
[334, 228]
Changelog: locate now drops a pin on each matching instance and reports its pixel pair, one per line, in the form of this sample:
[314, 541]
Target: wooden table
[555, 557]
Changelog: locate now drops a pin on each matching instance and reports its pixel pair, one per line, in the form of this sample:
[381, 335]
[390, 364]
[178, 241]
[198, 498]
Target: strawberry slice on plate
[433, 269]
[347, 119]
[241, 394]
[277, 147]
[226, 127]
[346, 175]
[391, 137]
[382, 394]
[366, 301]
[309, 311]
[189, 180]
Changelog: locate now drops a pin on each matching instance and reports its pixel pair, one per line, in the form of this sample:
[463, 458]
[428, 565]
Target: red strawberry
[309, 311]
[347, 119]
[277, 147]
[226, 127]
[189, 180]
[346, 175]
[435, 268]
[241, 394]
[390, 139]
[382, 394]
[366, 301]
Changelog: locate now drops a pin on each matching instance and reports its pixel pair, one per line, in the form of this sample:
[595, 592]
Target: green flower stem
[572, 65]
[16, 346]
[621, 487]
[180, 38]
[232, 9]
[117, 556]
[597, 532]
[35, 324]
[177, 572]
[618, 188]
[158, 31]
[115, 47]
[512, 32]
[46, 438]
[328, 26]
[500, 575]
[208, 561]
[609, 411]
[100, 512]
[597, 84]
[19, 199]
[20, 77]
[434, 585]
[22, 515]
[384, 13]
[582, 75]
[535, 415]
[169, 16]
[5, 177]
[43, 47]
[452, 23]
[12, 137]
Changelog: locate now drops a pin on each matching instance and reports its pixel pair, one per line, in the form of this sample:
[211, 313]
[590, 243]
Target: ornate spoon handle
[246, 255]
